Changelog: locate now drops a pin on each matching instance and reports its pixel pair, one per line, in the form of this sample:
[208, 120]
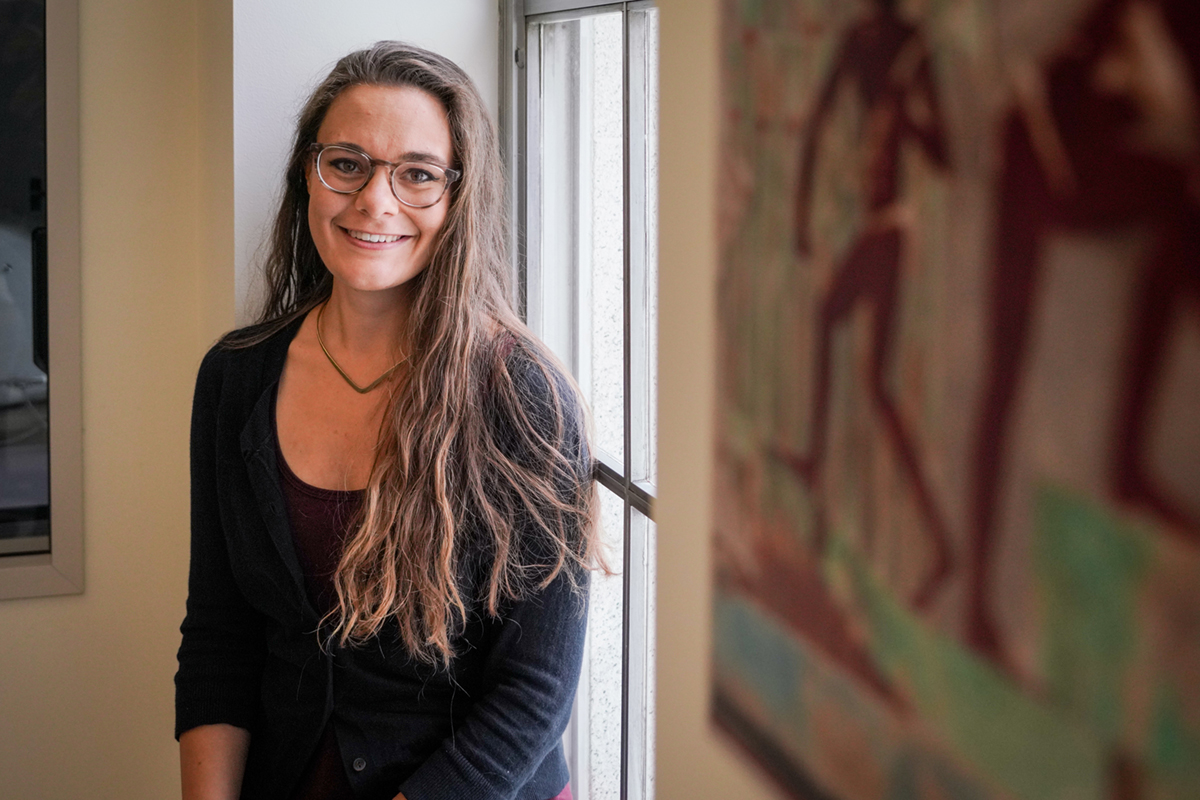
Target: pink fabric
[565, 794]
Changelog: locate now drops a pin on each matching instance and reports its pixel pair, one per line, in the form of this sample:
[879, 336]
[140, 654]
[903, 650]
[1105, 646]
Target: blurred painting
[957, 482]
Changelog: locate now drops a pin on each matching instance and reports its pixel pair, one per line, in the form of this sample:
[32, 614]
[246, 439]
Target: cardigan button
[360, 764]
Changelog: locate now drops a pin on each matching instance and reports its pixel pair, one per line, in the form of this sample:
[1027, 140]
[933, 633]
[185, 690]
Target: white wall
[283, 48]
[693, 760]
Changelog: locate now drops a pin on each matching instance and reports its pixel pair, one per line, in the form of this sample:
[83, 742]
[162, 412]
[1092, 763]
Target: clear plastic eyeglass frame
[449, 175]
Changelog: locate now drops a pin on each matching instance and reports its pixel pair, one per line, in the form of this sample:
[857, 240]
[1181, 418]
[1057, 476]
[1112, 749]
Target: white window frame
[518, 114]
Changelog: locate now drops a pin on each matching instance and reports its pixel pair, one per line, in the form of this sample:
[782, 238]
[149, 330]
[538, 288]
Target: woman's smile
[367, 239]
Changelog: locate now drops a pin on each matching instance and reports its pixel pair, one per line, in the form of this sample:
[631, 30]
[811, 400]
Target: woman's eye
[346, 166]
[416, 175]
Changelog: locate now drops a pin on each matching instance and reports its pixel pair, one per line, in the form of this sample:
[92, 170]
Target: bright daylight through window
[579, 120]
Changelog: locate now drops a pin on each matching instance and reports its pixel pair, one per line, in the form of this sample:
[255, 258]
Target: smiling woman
[392, 503]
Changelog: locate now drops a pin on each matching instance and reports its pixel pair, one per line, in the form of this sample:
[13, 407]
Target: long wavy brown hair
[481, 490]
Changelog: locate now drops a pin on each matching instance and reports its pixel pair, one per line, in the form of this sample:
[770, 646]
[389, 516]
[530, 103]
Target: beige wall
[85, 681]
[693, 762]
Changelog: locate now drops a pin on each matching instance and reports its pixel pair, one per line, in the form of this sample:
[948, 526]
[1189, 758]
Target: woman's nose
[377, 199]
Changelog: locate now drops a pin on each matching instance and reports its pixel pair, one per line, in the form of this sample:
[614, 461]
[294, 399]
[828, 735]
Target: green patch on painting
[1089, 566]
[760, 656]
[1174, 747]
[1170, 740]
[752, 12]
[790, 684]
[1030, 750]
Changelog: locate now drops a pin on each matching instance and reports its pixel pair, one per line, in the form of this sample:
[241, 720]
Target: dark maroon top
[319, 519]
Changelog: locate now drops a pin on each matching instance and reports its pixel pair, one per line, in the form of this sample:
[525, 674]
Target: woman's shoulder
[536, 405]
[540, 382]
[248, 356]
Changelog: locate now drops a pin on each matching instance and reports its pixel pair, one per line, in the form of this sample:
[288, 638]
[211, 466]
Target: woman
[392, 510]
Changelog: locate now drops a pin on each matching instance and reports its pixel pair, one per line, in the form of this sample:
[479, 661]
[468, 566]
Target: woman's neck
[367, 326]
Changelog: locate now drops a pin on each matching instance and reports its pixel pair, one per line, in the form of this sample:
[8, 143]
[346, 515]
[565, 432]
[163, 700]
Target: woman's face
[392, 124]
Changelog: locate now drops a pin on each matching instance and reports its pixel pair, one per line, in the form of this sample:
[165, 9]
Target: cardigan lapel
[262, 466]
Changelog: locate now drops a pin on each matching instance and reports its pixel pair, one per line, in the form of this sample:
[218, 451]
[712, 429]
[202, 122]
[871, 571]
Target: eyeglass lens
[414, 183]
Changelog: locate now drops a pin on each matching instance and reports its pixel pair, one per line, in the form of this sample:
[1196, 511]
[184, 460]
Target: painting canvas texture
[956, 521]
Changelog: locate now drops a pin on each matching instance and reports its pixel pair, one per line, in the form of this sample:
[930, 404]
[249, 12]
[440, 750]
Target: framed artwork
[957, 515]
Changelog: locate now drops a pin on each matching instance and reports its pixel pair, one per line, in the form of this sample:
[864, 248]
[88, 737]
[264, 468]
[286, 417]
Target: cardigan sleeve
[222, 652]
[533, 663]
[533, 667]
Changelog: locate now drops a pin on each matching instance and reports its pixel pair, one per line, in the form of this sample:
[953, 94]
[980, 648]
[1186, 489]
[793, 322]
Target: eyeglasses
[346, 170]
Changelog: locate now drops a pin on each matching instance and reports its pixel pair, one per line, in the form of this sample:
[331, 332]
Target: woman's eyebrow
[428, 158]
[412, 155]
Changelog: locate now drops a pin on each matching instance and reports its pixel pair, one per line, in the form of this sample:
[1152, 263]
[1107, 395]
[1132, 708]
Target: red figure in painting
[1102, 137]
[888, 63]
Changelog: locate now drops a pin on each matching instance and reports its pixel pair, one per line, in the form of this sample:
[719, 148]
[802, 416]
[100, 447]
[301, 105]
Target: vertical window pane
[643, 267]
[580, 310]
[640, 720]
[599, 693]
[554, 296]
[24, 433]
[651, 287]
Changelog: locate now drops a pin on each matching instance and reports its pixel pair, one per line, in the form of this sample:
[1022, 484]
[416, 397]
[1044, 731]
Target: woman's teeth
[374, 237]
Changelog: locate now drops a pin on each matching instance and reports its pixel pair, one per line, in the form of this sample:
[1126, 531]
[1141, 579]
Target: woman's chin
[374, 282]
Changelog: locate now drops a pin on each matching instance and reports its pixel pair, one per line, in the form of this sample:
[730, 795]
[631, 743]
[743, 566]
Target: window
[579, 124]
[41, 505]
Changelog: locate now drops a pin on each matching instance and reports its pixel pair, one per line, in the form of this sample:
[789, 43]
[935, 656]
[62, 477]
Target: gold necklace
[360, 389]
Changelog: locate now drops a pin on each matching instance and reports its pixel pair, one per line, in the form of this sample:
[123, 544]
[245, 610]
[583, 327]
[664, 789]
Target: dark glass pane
[24, 385]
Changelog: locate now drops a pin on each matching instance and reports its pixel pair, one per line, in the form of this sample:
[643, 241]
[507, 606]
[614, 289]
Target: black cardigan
[489, 728]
